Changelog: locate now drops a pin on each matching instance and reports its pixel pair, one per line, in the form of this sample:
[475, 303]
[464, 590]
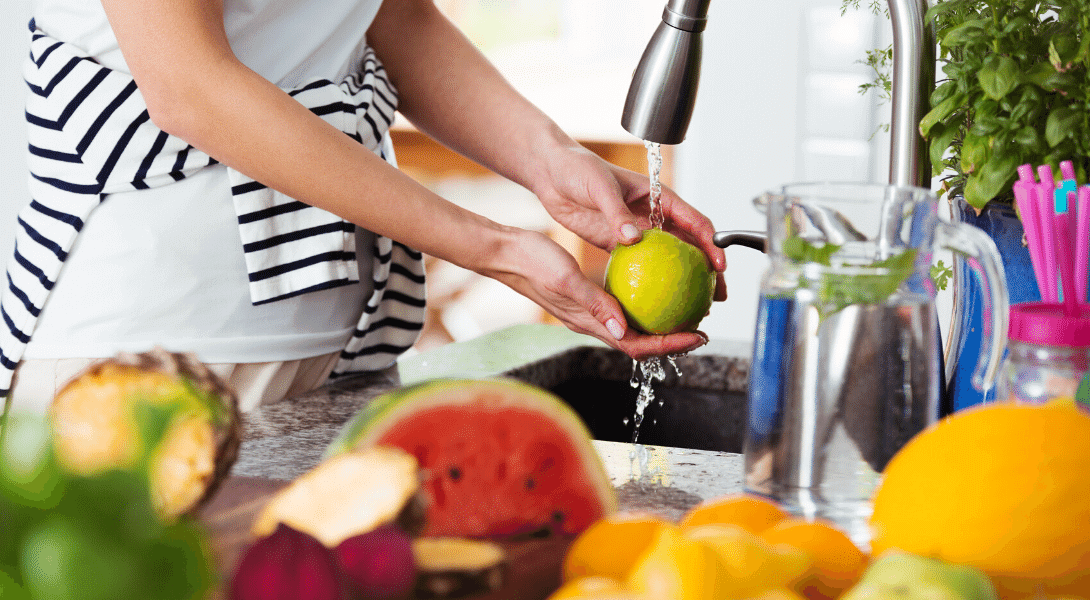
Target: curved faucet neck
[913, 81]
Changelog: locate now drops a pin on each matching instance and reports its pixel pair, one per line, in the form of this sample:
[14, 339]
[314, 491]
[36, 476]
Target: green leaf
[840, 290]
[974, 152]
[940, 112]
[1060, 124]
[1029, 140]
[941, 274]
[998, 77]
[992, 177]
[942, 92]
[962, 34]
[942, 137]
[801, 251]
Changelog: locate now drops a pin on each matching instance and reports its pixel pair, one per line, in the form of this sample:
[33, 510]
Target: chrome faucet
[663, 91]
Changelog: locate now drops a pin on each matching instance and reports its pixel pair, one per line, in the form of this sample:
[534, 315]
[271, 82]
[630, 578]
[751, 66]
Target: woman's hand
[537, 267]
[606, 205]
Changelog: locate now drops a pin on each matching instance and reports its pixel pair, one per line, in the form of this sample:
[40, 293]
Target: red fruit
[288, 565]
[379, 564]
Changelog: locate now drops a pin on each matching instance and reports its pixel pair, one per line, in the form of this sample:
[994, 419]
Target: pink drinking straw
[1082, 241]
[1025, 173]
[1067, 170]
[1046, 206]
[1025, 196]
[1062, 222]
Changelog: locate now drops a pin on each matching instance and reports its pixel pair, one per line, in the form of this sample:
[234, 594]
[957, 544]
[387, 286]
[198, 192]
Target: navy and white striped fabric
[90, 135]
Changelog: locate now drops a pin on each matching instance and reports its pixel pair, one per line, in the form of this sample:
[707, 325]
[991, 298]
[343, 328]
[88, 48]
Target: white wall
[13, 173]
[777, 104]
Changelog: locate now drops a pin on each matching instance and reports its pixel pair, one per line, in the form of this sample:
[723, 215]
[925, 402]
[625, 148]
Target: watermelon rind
[397, 406]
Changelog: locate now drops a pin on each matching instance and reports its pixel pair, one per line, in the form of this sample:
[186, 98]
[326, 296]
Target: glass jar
[1048, 353]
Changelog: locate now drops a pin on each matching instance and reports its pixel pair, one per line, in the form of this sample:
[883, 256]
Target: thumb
[622, 222]
[603, 307]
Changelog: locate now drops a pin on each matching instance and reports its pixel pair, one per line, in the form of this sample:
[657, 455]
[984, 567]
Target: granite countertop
[285, 439]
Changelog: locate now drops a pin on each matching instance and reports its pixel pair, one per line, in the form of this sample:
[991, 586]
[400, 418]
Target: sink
[703, 408]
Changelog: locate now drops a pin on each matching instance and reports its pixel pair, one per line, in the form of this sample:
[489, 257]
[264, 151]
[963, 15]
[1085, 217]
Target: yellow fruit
[664, 285]
[836, 562]
[752, 513]
[679, 568]
[600, 588]
[755, 566]
[1002, 487]
[611, 545]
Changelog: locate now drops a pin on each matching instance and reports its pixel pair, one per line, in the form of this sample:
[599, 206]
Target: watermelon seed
[558, 516]
[530, 483]
[455, 473]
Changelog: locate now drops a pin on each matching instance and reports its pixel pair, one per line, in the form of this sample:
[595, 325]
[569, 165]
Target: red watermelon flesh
[496, 470]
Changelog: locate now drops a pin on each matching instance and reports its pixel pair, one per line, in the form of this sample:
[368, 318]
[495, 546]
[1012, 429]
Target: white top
[165, 265]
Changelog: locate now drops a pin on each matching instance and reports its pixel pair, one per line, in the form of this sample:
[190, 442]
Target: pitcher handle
[982, 256]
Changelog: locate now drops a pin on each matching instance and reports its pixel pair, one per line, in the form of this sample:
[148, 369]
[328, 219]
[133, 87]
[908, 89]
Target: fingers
[692, 225]
[640, 346]
[609, 325]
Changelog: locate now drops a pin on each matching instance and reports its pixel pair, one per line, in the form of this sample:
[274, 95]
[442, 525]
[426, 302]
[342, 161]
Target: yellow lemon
[755, 566]
[611, 545]
[679, 568]
[664, 285]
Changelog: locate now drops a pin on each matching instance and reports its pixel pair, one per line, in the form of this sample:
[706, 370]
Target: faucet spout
[663, 91]
[662, 94]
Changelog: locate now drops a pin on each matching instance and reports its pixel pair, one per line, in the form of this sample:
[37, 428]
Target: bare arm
[216, 103]
[440, 74]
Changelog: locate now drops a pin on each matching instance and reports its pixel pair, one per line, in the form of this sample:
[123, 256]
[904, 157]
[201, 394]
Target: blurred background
[778, 102]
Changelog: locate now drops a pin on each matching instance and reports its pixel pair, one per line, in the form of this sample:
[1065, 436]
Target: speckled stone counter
[283, 440]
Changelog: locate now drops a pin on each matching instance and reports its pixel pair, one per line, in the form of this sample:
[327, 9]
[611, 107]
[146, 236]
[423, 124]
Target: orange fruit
[611, 545]
[1003, 487]
[755, 566]
[836, 562]
[752, 513]
[678, 568]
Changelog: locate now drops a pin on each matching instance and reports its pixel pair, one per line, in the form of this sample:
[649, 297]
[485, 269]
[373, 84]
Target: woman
[182, 130]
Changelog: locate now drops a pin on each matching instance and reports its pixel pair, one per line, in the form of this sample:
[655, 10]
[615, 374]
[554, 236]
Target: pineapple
[96, 429]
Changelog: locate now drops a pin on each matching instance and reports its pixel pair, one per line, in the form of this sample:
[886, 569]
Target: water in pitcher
[832, 396]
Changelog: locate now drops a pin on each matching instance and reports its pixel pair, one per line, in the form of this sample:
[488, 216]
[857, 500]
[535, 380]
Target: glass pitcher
[847, 355]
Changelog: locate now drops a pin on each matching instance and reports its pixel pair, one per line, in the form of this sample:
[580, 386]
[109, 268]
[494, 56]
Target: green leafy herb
[837, 291]
[1014, 89]
[941, 274]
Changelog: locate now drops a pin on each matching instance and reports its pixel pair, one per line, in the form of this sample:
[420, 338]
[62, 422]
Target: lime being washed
[665, 285]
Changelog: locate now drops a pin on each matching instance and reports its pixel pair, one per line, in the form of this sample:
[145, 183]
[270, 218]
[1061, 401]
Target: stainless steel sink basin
[703, 408]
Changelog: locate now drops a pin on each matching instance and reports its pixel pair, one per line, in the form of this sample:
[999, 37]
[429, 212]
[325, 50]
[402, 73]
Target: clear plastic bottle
[1048, 353]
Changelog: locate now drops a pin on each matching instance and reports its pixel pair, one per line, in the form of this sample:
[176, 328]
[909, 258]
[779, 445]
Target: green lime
[664, 285]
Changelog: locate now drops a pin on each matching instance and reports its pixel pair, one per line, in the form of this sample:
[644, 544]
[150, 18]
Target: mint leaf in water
[801, 251]
[837, 291]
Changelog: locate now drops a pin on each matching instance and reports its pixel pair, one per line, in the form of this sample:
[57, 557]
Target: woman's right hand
[537, 267]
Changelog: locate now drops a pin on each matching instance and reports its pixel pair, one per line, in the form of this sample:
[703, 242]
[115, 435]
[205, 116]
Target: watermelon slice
[500, 457]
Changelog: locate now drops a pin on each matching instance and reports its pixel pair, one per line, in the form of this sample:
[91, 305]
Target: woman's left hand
[605, 205]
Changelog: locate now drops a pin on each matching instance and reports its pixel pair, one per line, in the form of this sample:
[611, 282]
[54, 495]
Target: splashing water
[654, 169]
[644, 374]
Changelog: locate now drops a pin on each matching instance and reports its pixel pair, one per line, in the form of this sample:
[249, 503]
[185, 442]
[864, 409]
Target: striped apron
[90, 135]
